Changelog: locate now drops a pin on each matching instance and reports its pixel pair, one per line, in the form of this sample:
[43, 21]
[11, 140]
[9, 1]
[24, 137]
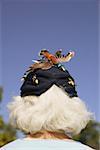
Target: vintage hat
[46, 72]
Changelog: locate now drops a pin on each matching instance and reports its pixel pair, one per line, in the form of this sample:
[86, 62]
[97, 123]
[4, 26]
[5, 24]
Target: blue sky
[27, 26]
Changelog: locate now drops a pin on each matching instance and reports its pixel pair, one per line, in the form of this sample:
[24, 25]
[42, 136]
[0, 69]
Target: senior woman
[48, 109]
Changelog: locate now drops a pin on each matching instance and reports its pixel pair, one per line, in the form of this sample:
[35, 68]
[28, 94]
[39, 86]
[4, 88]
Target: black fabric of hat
[39, 81]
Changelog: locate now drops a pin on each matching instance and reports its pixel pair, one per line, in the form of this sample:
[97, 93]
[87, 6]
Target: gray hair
[51, 111]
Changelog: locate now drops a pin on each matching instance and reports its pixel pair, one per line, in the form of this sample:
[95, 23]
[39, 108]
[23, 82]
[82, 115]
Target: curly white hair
[51, 111]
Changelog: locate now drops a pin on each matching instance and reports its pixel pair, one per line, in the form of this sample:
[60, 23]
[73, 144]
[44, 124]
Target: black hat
[39, 80]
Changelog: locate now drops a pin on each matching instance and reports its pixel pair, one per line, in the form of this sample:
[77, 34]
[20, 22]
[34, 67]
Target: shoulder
[45, 144]
[85, 147]
[88, 148]
[10, 145]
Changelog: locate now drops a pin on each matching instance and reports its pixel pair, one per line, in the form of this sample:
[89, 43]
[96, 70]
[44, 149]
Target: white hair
[54, 110]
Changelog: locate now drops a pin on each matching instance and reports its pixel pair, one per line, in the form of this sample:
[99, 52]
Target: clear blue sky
[30, 25]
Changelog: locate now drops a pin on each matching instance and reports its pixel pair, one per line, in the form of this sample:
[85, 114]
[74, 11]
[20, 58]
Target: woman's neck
[48, 135]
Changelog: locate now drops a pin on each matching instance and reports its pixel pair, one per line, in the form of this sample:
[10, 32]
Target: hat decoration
[48, 60]
[45, 72]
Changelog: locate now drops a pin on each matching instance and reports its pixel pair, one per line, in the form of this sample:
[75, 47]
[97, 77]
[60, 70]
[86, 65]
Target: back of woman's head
[49, 101]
